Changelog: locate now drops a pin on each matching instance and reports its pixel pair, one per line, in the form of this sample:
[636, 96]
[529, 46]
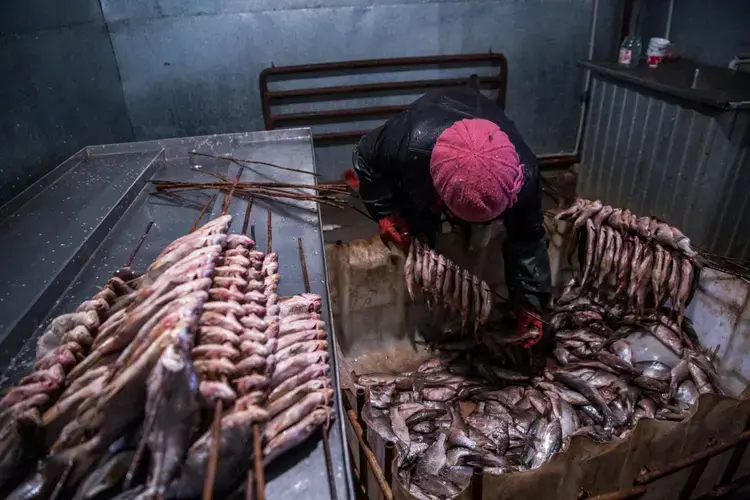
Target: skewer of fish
[222, 449]
[639, 259]
[218, 345]
[128, 345]
[649, 228]
[300, 390]
[179, 289]
[442, 282]
[263, 319]
[325, 434]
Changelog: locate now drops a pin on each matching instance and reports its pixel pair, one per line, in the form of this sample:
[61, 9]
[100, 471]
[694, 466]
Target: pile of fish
[446, 419]
[442, 282]
[641, 259]
[590, 336]
[130, 392]
[469, 407]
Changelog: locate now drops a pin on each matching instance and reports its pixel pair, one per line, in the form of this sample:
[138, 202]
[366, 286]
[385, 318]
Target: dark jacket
[393, 166]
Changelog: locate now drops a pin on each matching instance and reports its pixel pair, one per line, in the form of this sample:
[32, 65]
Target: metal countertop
[66, 235]
[699, 83]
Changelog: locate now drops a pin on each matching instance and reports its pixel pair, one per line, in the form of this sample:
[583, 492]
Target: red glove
[351, 179]
[394, 229]
[528, 327]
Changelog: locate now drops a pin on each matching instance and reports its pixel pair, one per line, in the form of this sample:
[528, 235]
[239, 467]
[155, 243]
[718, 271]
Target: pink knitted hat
[476, 170]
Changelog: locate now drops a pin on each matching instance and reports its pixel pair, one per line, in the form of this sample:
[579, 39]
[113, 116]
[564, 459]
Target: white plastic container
[657, 49]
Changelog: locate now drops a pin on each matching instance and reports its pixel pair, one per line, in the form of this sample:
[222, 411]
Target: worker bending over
[455, 153]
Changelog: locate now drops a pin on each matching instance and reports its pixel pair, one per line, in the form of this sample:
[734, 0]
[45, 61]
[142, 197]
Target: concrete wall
[81, 72]
[190, 67]
[60, 88]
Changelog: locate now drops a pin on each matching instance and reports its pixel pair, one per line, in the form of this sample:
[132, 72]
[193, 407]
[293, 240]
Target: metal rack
[336, 93]
[387, 82]
[69, 232]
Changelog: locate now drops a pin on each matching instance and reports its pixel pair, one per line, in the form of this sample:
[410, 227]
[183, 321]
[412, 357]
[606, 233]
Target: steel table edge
[340, 420]
[38, 186]
[69, 272]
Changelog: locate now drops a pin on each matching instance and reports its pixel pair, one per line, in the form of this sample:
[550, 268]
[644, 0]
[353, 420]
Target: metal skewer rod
[330, 187]
[247, 163]
[505, 299]
[213, 459]
[269, 232]
[303, 264]
[212, 174]
[223, 201]
[361, 212]
[247, 216]
[203, 212]
[260, 480]
[257, 469]
[272, 195]
[63, 479]
[129, 262]
[225, 208]
[243, 162]
[325, 427]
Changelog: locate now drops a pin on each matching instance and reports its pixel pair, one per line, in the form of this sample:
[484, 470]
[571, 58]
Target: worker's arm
[376, 184]
[379, 163]
[376, 164]
[527, 269]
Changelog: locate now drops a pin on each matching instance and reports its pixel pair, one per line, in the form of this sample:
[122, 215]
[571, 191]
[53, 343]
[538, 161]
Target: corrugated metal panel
[687, 166]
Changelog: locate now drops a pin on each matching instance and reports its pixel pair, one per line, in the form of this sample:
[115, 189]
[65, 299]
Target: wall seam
[117, 68]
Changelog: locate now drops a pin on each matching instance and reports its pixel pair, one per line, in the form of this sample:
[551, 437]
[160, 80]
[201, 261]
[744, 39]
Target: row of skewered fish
[648, 228]
[129, 392]
[444, 283]
[641, 259]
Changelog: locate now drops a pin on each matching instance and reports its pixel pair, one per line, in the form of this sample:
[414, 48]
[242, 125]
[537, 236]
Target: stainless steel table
[62, 238]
